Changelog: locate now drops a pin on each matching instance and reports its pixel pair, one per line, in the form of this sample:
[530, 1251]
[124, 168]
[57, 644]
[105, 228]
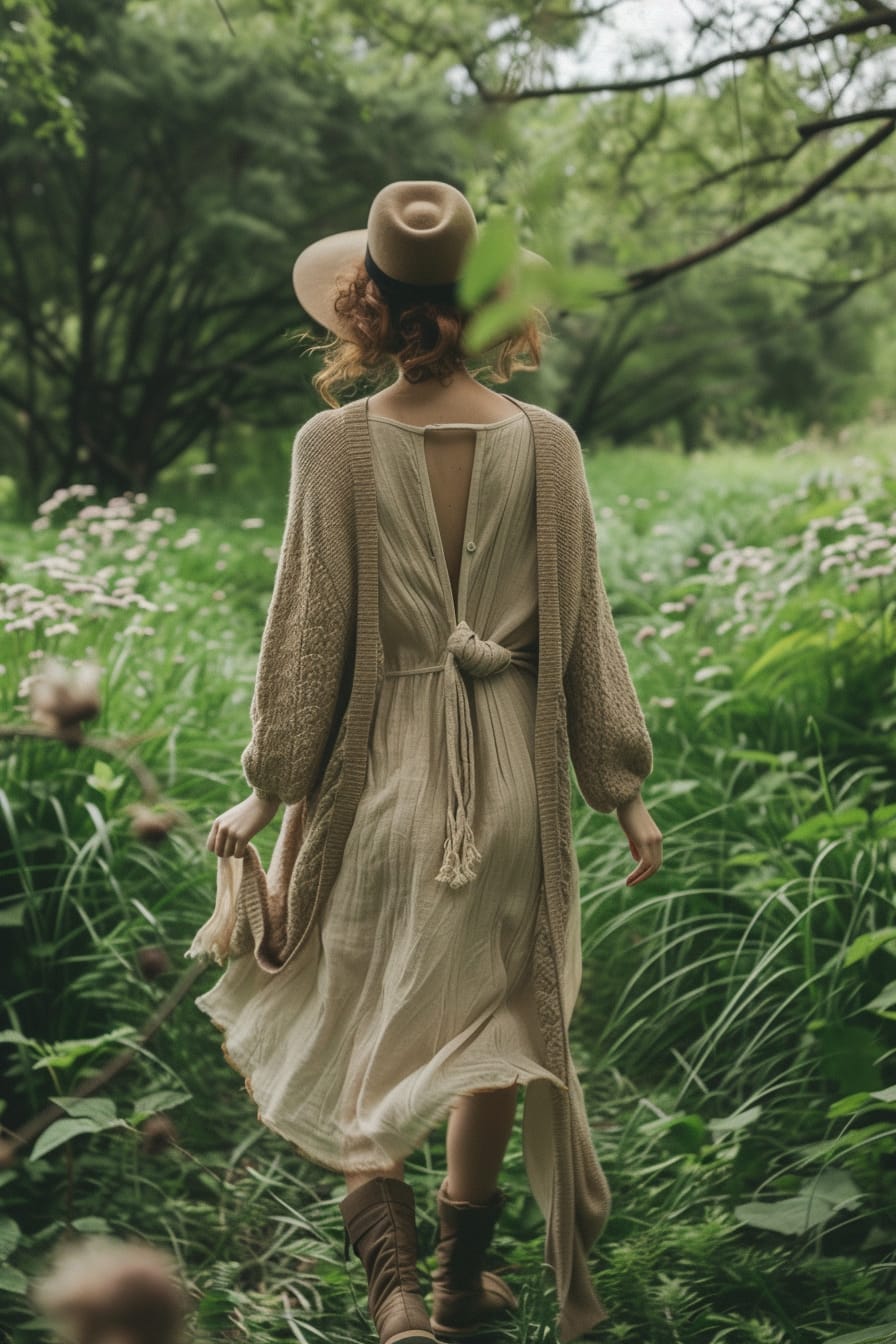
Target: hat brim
[319, 270]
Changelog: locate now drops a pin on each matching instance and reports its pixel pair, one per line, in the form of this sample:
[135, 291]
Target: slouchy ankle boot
[380, 1225]
[464, 1295]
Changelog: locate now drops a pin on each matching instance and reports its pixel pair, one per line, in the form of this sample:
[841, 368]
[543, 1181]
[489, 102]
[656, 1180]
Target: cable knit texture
[319, 674]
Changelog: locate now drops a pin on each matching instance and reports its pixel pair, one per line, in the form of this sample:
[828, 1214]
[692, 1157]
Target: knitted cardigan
[319, 674]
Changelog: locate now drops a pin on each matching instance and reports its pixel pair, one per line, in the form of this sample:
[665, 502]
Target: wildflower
[99, 1289]
[62, 698]
[153, 962]
[158, 1133]
[150, 825]
[252, 522]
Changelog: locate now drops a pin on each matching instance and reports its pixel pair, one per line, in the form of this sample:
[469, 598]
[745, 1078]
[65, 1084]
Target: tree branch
[653, 274]
[881, 15]
[808, 128]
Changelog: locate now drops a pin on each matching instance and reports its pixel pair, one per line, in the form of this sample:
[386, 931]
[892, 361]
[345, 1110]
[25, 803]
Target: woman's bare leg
[355, 1178]
[479, 1129]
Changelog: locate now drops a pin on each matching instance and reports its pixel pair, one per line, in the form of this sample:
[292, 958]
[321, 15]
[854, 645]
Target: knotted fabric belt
[481, 658]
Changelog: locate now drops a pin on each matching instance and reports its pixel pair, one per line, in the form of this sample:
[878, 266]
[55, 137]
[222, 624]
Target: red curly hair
[426, 340]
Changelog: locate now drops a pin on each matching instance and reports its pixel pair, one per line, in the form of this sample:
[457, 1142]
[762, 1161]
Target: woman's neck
[430, 388]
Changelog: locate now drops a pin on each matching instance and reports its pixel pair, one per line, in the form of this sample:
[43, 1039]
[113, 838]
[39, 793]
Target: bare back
[449, 416]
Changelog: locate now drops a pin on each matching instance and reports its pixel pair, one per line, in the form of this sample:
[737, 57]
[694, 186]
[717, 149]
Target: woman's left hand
[232, 831]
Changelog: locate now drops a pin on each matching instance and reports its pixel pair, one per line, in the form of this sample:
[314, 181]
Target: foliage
[145, 300]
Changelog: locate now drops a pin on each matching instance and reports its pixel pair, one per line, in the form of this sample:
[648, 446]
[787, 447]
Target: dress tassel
[460, 855]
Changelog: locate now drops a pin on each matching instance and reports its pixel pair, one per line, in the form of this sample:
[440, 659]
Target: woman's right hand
[232, 831]
[645, 839]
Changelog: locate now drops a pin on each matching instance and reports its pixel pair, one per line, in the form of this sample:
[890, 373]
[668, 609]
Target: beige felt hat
[417, 238]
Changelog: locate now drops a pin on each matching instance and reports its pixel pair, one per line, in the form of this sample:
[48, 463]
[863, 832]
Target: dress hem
[441, 1113]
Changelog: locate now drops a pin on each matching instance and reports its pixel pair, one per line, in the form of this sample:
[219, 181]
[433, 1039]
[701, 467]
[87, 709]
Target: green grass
[735, 1030]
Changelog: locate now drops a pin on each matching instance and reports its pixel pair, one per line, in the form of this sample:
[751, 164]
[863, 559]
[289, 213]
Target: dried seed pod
[157, 1133]
[153, 962]
[61, 698]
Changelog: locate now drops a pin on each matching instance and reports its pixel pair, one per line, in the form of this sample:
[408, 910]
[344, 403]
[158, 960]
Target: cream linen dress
[410, 990]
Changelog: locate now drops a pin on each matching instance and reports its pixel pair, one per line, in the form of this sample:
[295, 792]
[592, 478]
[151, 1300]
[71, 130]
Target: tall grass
[734, 1031]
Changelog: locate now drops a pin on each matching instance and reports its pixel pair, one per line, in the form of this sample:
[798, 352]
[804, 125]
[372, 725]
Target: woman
[439, 643]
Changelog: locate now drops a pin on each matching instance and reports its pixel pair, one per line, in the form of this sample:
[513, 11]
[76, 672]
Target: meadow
[735, 1029]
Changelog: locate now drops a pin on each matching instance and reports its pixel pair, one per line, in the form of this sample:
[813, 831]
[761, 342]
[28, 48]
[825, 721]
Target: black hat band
[401, 293]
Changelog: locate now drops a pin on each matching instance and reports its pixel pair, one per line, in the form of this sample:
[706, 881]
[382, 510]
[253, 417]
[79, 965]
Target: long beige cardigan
[319, 674]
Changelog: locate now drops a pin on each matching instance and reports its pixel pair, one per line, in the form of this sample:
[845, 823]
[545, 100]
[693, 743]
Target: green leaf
[866, 943]
[490, 260]
[582, 285]
[740, 1120]
[103, 778]
[687, 1133]
[784, 650]
[773, 759]
[12, 916]
[872, 1334]
[92, 1226]
[101, 1110]
[884, 1000]
[65, 1053]
[818, 1200]
[12, 1280]
[162, 1100]
[848, 1105]
[60, 1133]
[827, 824]
[9, 1236]
[494, 321]
[11, 1037]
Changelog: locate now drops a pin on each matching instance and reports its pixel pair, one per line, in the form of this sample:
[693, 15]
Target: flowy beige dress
[411, 991]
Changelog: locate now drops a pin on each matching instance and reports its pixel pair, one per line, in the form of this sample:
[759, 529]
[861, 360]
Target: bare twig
[225, 18]
[808, 128]
[879, 16]
[653, 274]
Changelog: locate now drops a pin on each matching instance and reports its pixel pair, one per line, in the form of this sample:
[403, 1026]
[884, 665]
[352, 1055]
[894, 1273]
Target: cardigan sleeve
[609, 743]
[305, 643]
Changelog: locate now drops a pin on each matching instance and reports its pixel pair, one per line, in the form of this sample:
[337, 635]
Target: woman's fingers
[650, 853]
[231, 832]
[644, 870]
[226, 841]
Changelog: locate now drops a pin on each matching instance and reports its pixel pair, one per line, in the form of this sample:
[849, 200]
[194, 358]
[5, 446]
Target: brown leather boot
[380, 1224]
[466, 1297]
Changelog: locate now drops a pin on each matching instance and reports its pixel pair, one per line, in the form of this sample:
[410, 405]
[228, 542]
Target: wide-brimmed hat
[417, 239]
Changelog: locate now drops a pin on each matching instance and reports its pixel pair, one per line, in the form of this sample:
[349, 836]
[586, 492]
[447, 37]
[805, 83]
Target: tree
[145, 287]
[509, 55]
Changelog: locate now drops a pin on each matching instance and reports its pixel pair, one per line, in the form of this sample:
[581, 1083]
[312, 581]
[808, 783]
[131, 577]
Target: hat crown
[420, 232]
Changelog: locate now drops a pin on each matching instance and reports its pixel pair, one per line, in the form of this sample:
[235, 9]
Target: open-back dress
[413, 990]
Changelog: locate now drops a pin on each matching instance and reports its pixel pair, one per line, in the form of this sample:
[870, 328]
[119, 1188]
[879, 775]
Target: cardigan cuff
[631, 798]
[267, 797]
